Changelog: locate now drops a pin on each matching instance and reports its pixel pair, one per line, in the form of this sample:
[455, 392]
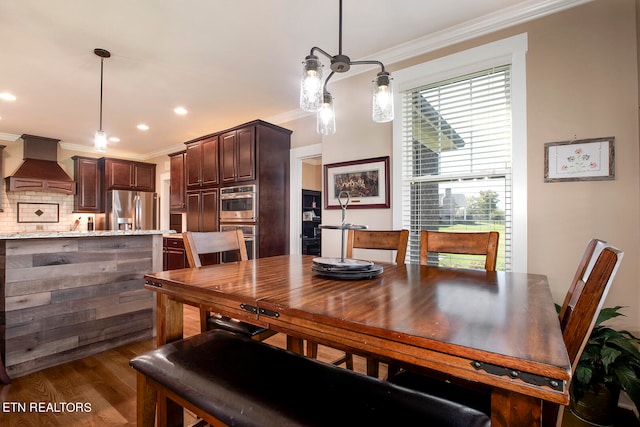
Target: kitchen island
[68, 295]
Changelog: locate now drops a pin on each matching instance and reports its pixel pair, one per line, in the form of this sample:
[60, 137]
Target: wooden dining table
[495, 328]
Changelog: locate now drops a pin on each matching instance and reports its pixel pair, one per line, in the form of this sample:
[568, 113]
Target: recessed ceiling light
[114, 139]
[142, 126]
[180, 110]
[6, 96]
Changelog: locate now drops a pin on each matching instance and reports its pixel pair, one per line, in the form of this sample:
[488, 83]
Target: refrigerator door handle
[137, 206]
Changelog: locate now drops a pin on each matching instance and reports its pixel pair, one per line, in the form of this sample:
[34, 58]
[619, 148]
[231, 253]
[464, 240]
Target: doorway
[299, 158]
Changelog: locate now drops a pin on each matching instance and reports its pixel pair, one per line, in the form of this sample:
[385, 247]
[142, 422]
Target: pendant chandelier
[314, 96]
[101, 136]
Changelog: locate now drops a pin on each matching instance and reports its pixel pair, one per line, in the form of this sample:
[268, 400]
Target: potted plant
[609, 363]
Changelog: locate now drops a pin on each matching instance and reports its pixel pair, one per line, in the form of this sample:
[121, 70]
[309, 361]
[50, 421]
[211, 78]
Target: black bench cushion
[243, 382]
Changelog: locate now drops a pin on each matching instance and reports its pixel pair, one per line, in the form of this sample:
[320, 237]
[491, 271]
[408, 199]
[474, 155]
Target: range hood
[40, 170]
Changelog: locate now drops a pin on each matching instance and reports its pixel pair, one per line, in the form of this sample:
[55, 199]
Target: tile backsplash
[66, 218]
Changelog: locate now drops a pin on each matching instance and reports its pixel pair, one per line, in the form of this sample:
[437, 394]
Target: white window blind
[456, 162]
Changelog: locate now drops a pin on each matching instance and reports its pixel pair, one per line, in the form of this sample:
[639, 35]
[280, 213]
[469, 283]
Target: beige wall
[311, 176]
[582, 82]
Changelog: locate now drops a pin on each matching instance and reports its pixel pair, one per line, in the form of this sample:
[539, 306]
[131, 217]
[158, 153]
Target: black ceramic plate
[338, 264]
[369, 273]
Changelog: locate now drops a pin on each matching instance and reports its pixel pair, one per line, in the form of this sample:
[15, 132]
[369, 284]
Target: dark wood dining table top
[502, 318]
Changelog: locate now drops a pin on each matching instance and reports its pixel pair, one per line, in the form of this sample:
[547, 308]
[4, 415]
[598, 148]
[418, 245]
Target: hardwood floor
[101, 390]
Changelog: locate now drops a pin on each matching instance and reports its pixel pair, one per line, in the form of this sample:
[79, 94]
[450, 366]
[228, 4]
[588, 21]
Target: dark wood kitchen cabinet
[238, 155]
[255, 153]
[127, 175]
[174, 256]
[88, 185]
[201, 163]
[177, 185]
[202, 210]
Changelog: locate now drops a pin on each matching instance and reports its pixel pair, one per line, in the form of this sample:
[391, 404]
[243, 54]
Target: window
[455, 154]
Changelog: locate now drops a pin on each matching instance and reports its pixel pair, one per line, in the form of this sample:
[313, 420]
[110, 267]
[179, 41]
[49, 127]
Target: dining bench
[221, 377]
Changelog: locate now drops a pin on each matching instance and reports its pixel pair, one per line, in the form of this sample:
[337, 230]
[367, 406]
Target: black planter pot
[599, 405]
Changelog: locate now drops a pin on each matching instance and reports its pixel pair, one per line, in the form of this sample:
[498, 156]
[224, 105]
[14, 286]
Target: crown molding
[165, 151]
[288, 116]
[110, 151]
[477, 27]
[9, 137]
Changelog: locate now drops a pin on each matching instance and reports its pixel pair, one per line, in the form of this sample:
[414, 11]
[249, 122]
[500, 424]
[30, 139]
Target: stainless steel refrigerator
[131, 210]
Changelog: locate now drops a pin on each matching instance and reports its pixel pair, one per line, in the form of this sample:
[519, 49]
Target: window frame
[512, 51]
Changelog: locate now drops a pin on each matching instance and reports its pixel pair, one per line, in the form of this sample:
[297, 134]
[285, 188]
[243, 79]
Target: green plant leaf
[608, 313]
[608, 356]
[630, 383]
[583, 374]
[626, 345]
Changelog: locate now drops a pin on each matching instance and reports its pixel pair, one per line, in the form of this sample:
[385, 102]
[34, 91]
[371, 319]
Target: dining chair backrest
[209, 242]
[379, 239]
[586, 296]
[466, 243]
[581, 272]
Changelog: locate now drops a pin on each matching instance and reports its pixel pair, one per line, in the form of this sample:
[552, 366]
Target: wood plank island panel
[67, 298]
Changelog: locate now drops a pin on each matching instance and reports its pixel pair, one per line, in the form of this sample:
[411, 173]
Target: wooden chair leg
[295, 345]
[348, 360]
[373, 367]
[312, 349]
[147, 397]
[204, 317]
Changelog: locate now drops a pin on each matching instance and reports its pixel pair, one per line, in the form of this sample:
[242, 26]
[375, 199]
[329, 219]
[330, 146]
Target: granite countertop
[173, 235]
[65, 234]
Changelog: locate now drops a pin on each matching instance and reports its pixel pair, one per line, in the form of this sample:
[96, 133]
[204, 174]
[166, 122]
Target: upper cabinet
[177, 182]
[238, 155]
[88, 189]
[201, 163]
[127, 175]
[94, 177]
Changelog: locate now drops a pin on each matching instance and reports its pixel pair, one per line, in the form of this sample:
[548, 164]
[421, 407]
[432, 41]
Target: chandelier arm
[324, 87]
[315, 48]
[372, 62]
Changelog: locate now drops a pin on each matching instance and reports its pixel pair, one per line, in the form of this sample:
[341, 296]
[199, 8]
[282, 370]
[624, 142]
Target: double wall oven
[238, 211]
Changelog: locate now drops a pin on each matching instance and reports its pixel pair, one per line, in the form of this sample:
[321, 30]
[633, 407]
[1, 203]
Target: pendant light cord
[101, 68]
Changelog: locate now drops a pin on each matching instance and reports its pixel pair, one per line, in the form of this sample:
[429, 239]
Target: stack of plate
[347, 269]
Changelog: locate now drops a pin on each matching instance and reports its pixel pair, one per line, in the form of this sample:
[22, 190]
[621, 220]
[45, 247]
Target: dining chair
[583, 302]
[394, 240]
[578, 314]
[218, 242]
[466, 243]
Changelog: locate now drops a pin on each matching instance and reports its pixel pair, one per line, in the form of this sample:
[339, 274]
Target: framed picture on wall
[579, 160]
[366, 181]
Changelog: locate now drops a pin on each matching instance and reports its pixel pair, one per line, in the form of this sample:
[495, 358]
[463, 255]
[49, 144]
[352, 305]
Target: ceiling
[227, 62]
